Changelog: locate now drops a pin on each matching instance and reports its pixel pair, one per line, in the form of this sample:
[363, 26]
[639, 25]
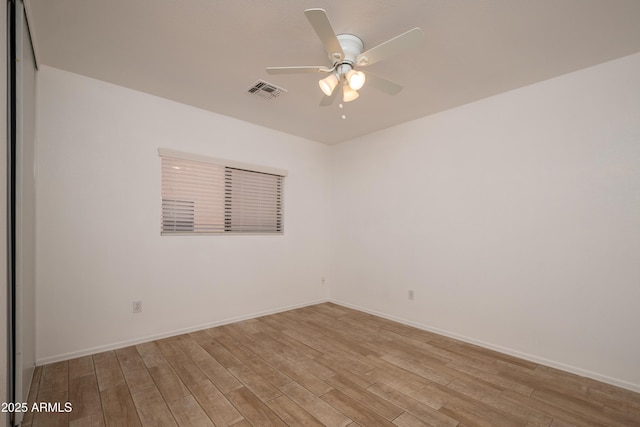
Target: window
[201, 195]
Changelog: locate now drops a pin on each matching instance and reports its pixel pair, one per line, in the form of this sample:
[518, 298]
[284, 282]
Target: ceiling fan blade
[382, 84]
[296, 70]
[320, 22]
[394, 46]
[328, 100]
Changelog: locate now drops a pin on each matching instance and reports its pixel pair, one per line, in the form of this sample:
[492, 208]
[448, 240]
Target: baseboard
[140, 340]
[532, 358]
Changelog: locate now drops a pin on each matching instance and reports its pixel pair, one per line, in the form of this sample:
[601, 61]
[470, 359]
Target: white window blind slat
[211, 197]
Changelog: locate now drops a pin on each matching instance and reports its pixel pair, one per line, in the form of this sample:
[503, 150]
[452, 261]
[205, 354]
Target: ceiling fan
[346, 53]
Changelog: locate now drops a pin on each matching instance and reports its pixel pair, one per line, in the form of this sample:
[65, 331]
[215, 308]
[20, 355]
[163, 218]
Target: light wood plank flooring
[321, 365]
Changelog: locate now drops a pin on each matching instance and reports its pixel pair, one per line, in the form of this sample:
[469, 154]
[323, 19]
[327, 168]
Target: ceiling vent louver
[266, 90]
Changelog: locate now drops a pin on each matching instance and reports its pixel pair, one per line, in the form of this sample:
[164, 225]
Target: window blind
[253, 201]
[206, 196]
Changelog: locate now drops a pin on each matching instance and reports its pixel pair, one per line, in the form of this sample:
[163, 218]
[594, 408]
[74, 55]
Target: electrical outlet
[411, 294]
[137, 306]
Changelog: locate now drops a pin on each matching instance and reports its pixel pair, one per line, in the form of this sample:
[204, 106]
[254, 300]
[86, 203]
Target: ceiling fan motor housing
[352, 46]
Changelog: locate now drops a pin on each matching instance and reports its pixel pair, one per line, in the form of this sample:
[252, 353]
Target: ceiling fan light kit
[345, 51]
[329, 83]
[356, 79]
[348, 94]
[351, 81]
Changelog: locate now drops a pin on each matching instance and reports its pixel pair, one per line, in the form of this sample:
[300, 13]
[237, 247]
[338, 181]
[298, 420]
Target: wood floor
[320, 365]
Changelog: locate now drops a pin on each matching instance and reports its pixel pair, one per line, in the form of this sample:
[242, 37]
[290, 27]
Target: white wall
[515, 219]
[98, 220]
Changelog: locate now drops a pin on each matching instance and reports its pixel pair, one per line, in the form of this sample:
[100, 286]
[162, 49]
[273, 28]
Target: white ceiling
[206, 53]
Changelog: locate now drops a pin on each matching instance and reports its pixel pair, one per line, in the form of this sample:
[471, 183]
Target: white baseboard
[532, 358]
[140, 340]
